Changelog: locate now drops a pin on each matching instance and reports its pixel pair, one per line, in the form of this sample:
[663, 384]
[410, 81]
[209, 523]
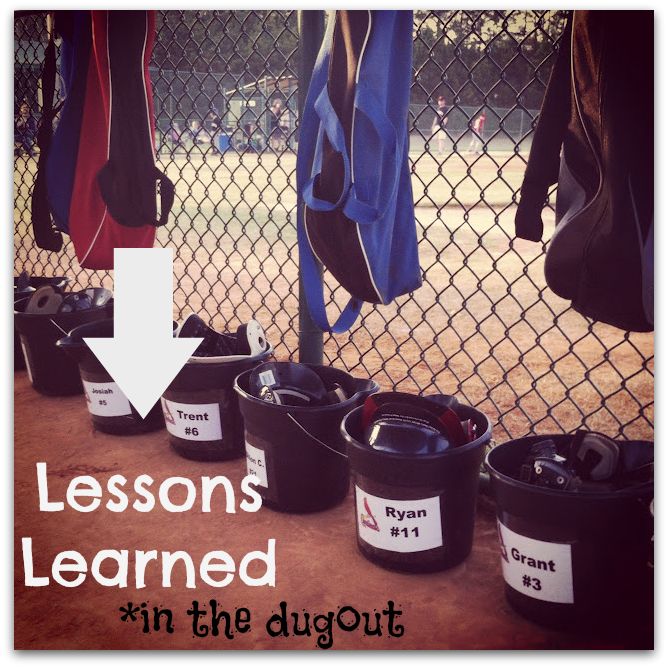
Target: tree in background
[474, 58]
[484, 57]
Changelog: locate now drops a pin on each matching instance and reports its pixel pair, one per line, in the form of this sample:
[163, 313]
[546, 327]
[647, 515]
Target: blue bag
[75, 30]
[355, 201]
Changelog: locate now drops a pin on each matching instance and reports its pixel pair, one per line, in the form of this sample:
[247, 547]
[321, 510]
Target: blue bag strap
[362, 212]
[314, 288]
[334, 130]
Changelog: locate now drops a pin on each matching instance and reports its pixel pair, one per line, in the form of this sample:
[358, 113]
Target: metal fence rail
[483, 325]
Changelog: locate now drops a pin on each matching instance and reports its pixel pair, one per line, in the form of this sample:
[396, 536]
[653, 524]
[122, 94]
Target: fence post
[311, 29]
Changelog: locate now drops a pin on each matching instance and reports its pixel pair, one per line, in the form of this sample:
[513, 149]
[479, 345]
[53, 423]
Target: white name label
[399, 526]
[193, 422]
[106, 399]
[536, 568]
[256, 463]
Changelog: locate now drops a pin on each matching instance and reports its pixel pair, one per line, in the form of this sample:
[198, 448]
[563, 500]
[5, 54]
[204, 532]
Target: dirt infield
[483, 325]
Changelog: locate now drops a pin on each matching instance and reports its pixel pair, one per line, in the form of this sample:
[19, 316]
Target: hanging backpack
[355, 202]
[101, 171]
[595, 139]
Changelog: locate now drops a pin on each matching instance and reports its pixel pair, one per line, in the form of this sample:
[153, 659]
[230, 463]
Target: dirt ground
[318, 567]
[483, 324]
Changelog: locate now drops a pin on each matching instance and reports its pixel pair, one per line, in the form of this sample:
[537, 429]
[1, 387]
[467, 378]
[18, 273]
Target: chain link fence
[483, 326]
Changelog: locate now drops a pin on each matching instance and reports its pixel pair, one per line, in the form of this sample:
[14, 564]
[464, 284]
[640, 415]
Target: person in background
[25, 131]
[216, 121]
[197, 132]
[477, 134]
[278, 130]
[216, 127]
[439, 123]
[176, 137]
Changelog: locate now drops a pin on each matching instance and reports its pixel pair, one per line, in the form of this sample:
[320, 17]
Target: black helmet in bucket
[297, 451]
[292, 384]
[249, 340]
[408, 424]
[24, 286]
[200, 406]
[50, 369]
[433, 488]
[595, 535]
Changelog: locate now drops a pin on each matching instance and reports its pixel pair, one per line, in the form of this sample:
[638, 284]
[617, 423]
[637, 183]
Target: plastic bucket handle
[315, 438]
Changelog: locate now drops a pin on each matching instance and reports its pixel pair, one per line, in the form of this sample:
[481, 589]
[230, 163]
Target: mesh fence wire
[483, 326]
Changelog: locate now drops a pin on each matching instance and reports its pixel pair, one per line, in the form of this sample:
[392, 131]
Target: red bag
[108, 170]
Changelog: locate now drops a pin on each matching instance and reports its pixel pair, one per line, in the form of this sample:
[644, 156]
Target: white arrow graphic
[143, 357]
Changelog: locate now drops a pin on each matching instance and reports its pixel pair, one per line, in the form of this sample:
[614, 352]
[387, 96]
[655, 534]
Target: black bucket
[34, 283]
[110, 410]
[50, 369]
[297, 452]
[415, 513]
[201, 408]
[574, 560]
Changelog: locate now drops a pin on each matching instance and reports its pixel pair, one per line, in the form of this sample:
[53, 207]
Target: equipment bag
[595, 138]
[101, 171]
[355, 202]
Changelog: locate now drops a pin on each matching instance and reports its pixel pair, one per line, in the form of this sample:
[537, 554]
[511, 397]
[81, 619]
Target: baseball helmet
[403, 423]
[249, 339]
[292, 384]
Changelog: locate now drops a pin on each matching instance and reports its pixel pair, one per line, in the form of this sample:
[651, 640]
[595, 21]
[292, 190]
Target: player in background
[477, 134]
[438, 125]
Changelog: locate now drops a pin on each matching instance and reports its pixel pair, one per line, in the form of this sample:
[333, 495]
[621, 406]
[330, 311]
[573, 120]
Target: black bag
[598, 111]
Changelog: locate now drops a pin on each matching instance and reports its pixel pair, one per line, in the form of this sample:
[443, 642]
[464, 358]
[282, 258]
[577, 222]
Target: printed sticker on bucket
[256, 464]
[536, 568]
[192, 422]
[399, 526]
[106, 399]
[267, 378]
